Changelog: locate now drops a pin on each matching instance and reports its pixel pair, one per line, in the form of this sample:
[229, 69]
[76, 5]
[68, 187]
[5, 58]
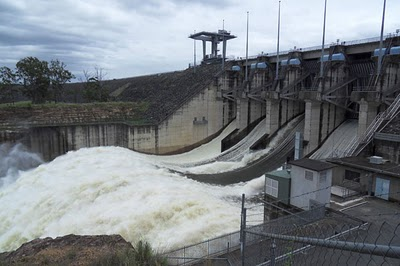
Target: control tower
[215, 38]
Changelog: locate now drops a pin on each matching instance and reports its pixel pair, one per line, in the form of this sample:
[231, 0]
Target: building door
[382, 188]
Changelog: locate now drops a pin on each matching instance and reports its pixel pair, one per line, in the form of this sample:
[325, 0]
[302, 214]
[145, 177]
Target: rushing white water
[13, 158]
[111, 190]
[207, 151]
[208, 163]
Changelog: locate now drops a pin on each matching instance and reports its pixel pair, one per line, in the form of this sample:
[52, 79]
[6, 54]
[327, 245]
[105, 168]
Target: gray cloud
[134, 37]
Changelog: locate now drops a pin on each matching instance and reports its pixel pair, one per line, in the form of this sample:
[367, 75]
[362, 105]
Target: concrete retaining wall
[52, 132]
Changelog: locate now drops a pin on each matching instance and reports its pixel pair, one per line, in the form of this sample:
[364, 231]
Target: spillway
[337, 143]
[239, 163]
[112, 190]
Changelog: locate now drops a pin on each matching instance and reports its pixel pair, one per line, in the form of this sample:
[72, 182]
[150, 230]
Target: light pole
[323, 44]
[194, 54]
[379, 68]
[277, 44]
[223, 44]
[247, 46]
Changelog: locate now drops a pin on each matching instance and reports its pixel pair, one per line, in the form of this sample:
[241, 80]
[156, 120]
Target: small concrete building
[277, 185]
[375, 175]
[311, 182]
[277, 193]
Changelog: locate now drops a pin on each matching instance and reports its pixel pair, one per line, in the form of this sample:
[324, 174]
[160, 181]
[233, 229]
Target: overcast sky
[128, 38]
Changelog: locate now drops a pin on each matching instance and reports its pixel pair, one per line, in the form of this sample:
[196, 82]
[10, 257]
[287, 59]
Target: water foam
[245, 157]
[13, 158]
[111, 190]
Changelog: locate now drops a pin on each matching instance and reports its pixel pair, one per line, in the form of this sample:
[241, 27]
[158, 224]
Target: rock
[66, 250]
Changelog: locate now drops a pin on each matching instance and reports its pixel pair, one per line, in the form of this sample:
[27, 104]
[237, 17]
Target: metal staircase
[392, 111]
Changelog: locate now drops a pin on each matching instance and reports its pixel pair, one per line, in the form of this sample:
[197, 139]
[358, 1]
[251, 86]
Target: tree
[94, 87]
[8, 79]
[34, 76]
[59, 75]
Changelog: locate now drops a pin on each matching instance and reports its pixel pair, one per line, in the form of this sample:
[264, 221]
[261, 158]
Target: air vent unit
[376, 160]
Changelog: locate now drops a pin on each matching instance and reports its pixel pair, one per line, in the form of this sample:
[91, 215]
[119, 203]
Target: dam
[311, 93]
[254, 124]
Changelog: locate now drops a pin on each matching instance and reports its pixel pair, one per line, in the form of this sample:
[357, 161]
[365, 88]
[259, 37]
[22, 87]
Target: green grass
[23, 104]
[142, 106]
[137, 109]
[141, 255]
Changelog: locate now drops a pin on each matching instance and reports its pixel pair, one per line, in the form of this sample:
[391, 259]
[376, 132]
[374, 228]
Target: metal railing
[319, 47]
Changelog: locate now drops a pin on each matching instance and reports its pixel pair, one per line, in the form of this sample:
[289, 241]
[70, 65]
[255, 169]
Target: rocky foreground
[67, 250]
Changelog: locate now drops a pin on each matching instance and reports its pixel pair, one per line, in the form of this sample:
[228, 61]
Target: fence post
[243, 236]
[184, 255]
[242, 227]
[208, 248]
[273, 247]
[241, 222]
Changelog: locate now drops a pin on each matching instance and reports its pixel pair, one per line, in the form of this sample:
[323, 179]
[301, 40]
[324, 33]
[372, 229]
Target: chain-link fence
[319, 236]
[336, 239]
[216, 249]
[204, 250]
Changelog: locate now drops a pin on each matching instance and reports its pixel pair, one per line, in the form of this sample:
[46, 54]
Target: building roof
[311, 164]
[210, 36]
[280, 173]
[363, 163]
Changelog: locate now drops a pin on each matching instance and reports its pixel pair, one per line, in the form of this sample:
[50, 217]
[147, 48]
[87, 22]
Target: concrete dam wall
[173, 112]
[182, 123]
